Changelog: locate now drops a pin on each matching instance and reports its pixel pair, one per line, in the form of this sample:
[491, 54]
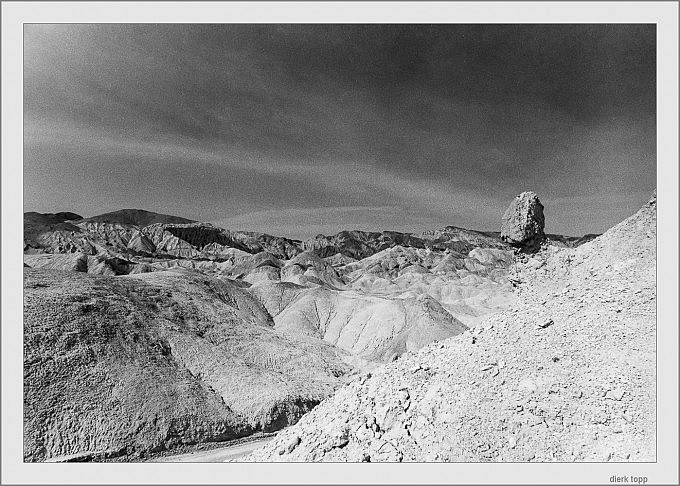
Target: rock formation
[523, 222]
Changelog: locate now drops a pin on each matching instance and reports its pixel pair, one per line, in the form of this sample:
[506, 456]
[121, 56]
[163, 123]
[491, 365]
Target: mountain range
[137, 232]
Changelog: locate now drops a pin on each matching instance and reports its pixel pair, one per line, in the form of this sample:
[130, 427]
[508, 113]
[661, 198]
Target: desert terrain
[147, 333]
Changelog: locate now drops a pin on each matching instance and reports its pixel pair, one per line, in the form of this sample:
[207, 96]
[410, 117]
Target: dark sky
[303, 129]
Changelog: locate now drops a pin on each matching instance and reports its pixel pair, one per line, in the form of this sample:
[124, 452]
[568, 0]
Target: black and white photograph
[249, 243]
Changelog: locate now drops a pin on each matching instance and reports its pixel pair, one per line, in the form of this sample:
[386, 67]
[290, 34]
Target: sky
[296, 130]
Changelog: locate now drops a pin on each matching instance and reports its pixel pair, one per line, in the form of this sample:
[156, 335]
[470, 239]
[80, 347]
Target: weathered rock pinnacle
[523, 222]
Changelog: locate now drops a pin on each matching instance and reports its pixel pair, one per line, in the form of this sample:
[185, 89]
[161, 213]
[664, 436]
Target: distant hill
[50, 218]
[363, 244]
[138, 217]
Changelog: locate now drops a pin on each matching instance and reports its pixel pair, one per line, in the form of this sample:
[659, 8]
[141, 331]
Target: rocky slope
[567, 375]
[141, 363]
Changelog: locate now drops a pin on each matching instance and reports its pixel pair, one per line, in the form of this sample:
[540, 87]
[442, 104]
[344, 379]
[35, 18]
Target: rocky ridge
[143, 237]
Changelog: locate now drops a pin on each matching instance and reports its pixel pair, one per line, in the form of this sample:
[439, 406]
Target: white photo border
[15, 14]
